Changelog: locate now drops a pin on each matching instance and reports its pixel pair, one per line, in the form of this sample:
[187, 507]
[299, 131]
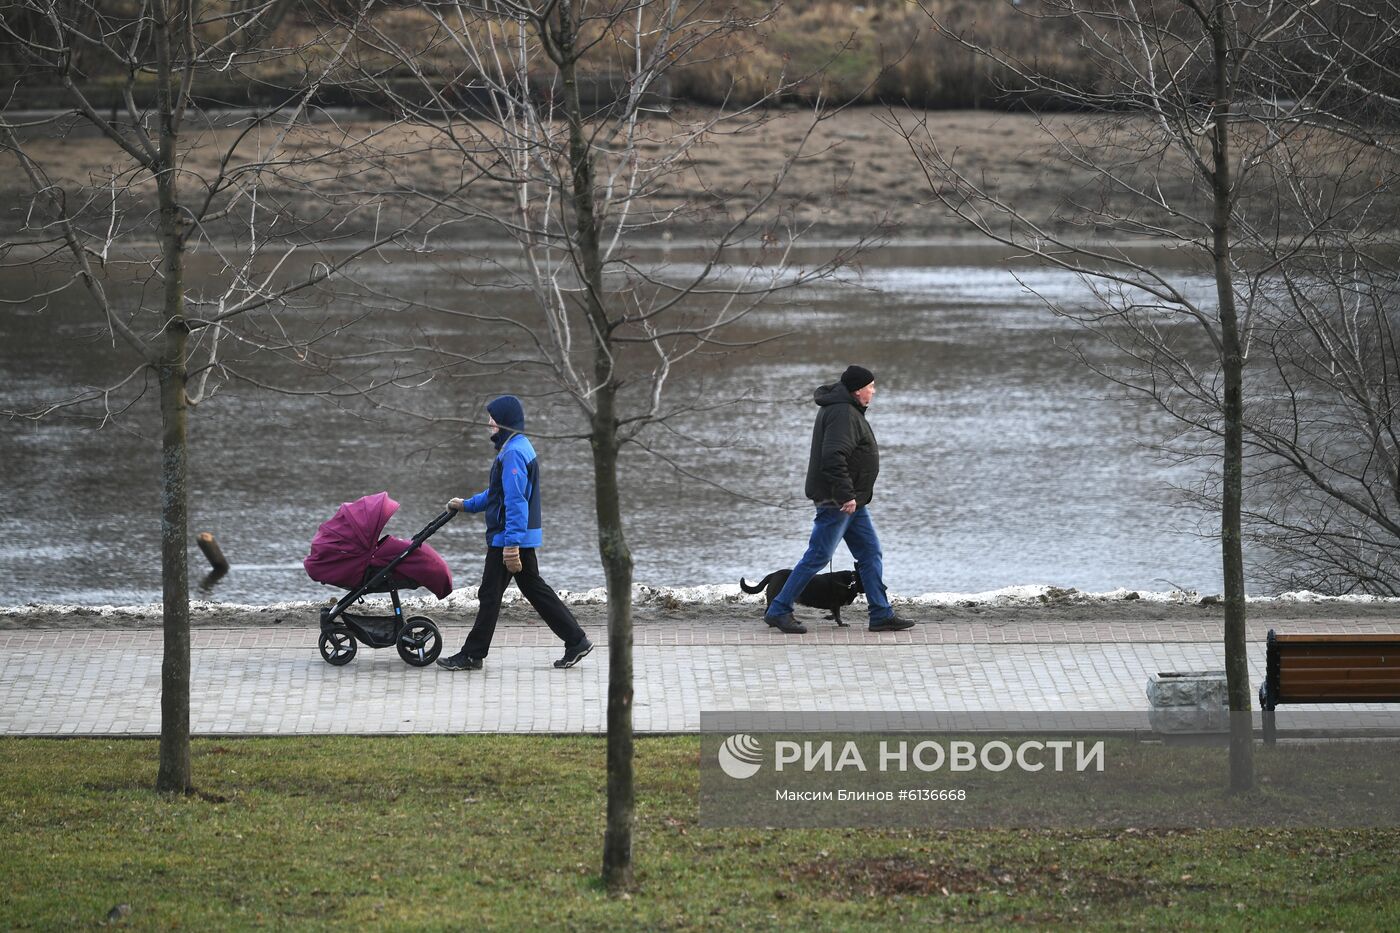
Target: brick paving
[271, 680]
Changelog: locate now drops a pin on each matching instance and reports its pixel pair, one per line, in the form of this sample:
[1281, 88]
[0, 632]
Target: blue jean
[830, 528]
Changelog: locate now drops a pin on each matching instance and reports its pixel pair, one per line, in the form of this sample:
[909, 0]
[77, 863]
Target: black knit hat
[507, 412]
[856, 377]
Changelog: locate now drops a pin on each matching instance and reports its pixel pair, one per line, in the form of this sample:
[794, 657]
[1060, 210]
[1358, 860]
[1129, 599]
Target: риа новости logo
[740, 756]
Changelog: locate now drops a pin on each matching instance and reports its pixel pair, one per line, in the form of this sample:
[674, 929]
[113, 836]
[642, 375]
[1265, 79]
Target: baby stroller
[349, 552]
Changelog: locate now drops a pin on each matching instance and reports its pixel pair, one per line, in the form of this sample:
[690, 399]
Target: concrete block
[1188, 702]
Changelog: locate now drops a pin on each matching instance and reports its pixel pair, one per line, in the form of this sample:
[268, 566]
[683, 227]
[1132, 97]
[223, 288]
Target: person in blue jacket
[513, 532]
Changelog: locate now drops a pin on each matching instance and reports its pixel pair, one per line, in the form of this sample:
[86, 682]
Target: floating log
[211, 578]
[212, 552]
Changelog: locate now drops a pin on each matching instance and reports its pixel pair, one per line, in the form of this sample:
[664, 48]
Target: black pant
[494, 580]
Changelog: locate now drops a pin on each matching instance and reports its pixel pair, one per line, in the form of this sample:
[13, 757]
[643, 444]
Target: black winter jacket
[845, 458]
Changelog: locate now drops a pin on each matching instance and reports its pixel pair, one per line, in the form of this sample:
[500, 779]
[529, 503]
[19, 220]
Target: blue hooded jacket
[511, 500]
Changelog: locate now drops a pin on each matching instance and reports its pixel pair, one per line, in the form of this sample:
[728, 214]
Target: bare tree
[1327, 472]
[170, 176]
[1326, 426]
[558, 111]
[1198, 110]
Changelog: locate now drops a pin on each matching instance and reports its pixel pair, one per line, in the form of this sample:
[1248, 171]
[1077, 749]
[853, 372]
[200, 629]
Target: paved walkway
[271, 680]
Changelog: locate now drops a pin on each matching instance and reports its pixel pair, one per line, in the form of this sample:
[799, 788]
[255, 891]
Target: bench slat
[1339, 685]
[1339, 695]
[1334, 659]
[1380, 638]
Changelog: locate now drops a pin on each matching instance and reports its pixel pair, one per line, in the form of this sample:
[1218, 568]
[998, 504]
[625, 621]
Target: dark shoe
[892, 624]
[575, 654]
[786, 624]
[461, 661]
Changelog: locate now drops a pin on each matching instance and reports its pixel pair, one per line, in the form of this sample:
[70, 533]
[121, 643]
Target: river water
[1004, 461]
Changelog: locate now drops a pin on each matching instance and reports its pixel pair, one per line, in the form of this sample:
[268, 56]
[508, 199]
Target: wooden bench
[1328, 669]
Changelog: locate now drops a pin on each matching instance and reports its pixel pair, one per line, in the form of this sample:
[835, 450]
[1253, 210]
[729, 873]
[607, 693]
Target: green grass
[504, 831]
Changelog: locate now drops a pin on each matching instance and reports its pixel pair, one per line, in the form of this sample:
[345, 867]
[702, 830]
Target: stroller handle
[433, 526]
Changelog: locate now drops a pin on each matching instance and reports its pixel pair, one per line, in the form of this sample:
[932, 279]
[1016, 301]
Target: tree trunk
[617, 567]
[175, 775]
[612, 544]
[175, 771]
[1232, 559]
[1232, 359]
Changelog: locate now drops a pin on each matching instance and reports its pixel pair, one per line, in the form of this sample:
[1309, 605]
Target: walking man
[841, 475]
[511, 502]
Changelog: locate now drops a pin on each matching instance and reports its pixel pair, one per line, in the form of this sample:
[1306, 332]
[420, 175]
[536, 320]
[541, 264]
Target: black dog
[829, 591]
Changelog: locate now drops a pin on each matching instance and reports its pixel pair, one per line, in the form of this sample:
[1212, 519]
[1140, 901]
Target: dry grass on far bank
[859, 174]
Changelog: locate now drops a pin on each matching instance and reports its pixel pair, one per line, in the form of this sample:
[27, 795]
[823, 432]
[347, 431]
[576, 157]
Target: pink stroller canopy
[347, 545]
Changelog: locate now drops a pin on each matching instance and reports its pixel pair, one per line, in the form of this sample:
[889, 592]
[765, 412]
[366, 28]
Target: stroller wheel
[338, 647]
[420, 642]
